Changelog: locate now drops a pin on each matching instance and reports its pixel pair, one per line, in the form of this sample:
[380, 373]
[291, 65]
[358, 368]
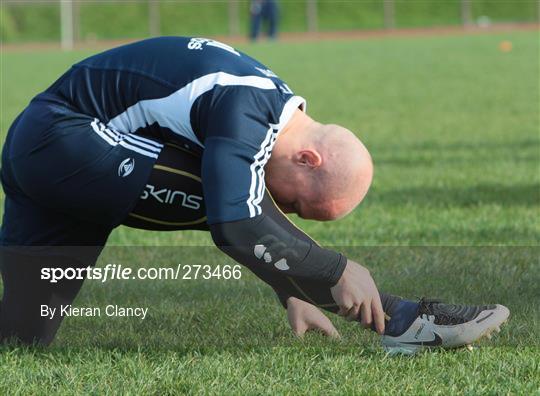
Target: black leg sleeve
[22, 314]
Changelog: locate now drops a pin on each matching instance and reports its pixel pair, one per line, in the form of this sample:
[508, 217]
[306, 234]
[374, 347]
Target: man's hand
[356, 294]
[304, 316]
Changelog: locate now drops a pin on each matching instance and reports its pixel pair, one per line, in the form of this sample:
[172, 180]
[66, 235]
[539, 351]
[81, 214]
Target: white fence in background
[69, 15]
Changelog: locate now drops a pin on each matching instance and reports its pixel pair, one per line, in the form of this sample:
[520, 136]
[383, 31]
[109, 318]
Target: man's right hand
[356, 294]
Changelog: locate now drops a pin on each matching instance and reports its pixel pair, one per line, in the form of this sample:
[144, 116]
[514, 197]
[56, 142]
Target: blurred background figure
[264, 11]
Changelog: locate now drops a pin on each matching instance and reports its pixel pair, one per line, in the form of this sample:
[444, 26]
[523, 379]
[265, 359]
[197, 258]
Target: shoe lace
[433, 310]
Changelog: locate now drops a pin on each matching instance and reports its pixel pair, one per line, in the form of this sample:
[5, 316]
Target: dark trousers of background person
[264, 11]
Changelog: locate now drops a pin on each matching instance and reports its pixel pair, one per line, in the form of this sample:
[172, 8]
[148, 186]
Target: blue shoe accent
[401, 319]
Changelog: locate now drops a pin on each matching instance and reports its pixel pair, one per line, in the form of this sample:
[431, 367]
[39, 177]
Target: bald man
[179, 133]
[322, 172]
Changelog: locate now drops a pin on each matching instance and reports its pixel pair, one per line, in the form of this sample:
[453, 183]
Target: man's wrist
[340, 268]
[282, 296]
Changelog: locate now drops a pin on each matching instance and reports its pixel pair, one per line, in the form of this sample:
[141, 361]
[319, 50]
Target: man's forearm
[262, 242]
[285, 285]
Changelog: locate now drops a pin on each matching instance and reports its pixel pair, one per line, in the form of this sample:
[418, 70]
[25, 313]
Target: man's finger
[325, 326]
[299, 329]
[378, 315]
[366, 315]
[353, 313]
[344, 310]
[329, 330]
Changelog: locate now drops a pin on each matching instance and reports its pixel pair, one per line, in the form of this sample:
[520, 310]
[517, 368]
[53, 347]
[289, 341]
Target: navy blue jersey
[200, 93]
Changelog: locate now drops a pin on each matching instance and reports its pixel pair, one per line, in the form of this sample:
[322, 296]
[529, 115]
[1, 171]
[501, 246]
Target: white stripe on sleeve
[173, 111]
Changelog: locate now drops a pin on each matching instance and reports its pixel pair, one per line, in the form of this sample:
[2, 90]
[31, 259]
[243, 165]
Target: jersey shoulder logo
[266, 72]
[198, 43]
[126, 167]
[285, 89]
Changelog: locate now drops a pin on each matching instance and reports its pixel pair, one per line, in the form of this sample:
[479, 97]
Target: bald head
[343, 178]
[319, 171]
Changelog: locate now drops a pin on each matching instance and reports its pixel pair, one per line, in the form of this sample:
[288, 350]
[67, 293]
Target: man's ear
[309, 158]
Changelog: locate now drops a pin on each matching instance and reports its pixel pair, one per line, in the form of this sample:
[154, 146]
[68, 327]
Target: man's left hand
[304, 317]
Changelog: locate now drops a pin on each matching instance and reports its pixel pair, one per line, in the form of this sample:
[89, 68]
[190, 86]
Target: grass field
[453, 127]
